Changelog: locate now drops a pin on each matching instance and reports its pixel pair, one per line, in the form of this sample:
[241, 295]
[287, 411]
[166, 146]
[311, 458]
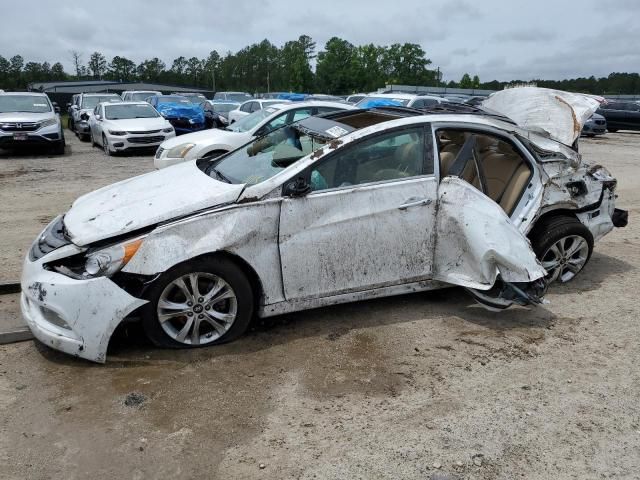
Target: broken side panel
[476, 242]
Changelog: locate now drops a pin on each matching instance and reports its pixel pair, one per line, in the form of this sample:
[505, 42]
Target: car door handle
[415, 202]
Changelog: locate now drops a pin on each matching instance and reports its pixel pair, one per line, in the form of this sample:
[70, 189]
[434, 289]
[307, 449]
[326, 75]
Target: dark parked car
[596, 125]
[621, 115]
[186, 117]
[216, 113]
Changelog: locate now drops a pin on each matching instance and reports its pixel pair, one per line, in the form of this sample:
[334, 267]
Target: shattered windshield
[265, 157]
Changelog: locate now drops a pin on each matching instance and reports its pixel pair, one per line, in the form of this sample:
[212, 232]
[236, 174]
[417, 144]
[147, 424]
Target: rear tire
[612, 130]
[218, 310]
[563, 245]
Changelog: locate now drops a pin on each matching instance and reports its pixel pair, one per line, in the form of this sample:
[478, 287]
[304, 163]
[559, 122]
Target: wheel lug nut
[200, 316]
[200, 300]
[190, 314]
[207, 307]
[190, 304]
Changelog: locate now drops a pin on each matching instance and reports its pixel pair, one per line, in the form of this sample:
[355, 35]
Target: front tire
[198, 303]
[563, 245]
[105, 146]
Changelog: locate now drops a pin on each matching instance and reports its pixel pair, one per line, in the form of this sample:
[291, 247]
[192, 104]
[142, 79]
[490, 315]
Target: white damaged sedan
[354, 205]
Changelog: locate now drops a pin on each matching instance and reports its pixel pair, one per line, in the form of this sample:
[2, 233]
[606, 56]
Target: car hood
[180, 110]
[144, 201]
[560, 115]
[24, 116]
[205, 137]
[138, 124]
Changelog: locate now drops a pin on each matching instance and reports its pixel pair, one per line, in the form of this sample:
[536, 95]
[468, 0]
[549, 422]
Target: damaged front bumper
[77, 317]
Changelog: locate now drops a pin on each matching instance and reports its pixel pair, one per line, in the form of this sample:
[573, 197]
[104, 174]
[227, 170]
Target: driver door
[368, 221]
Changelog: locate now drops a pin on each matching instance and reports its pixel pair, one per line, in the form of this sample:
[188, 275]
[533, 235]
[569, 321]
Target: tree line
[339, 68]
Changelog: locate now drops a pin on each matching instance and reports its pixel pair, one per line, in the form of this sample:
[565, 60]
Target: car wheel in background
[563, 245]
[58, 148]
[105, 146]
[198, 303]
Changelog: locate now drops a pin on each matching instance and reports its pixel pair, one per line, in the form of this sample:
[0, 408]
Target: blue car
[186, 117]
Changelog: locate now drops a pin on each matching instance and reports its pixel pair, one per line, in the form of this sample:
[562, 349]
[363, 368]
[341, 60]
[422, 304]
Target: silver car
[30, 119]
[83, 108]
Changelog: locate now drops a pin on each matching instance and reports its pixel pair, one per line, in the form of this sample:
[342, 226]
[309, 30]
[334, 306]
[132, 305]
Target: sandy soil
[405, 387]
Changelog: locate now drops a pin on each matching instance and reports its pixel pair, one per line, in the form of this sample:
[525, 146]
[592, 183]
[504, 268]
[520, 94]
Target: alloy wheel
[565, 258]
[197, 308]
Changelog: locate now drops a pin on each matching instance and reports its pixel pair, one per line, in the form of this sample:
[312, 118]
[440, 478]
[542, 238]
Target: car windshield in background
[271, 102]
[195, 98]
[172, 99]
[264, 157]
[122, 112]
[26, 103]
[368, 102]
[91, 102]
[247, 123]
[239, 97]
[224, 107]
[140, 97]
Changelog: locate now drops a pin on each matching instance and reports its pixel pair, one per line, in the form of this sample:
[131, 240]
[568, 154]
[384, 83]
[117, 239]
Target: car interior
[487, 162]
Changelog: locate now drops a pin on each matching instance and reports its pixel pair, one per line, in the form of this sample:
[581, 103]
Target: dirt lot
[395, 388]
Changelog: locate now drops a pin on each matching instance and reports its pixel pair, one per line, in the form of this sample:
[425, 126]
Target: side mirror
[297, 188]
[68, 105]
[98, 117]
[56, 109]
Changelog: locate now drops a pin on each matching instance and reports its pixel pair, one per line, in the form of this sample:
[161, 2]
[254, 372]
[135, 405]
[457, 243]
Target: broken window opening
[489, 163]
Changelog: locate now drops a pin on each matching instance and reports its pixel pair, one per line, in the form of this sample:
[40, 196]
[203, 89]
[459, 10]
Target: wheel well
[219, 151]
[252, 276]
[544, 218]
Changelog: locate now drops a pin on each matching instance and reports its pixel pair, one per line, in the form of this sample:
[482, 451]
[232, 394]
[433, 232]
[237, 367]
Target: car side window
[246, 107]
[300, 114]
[391, 156]
[277, 122]
[322, 110]
[96, 111]
[255, 106]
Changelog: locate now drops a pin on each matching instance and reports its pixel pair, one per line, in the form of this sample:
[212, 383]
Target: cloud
[542, 39]
[526, 35]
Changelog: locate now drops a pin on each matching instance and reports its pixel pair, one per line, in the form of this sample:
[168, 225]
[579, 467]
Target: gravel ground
[404, 387]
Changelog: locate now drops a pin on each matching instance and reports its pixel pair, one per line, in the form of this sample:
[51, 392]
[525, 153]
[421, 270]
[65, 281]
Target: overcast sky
[551, 39]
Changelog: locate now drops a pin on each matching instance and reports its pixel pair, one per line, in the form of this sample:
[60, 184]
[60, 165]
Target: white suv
[30, 119]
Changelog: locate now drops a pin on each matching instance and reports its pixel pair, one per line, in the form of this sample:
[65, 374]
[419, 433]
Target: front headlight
[118, 133]
[48, 122]
[167, 130]
[99, 263]
[181, 150]
[106, 262]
